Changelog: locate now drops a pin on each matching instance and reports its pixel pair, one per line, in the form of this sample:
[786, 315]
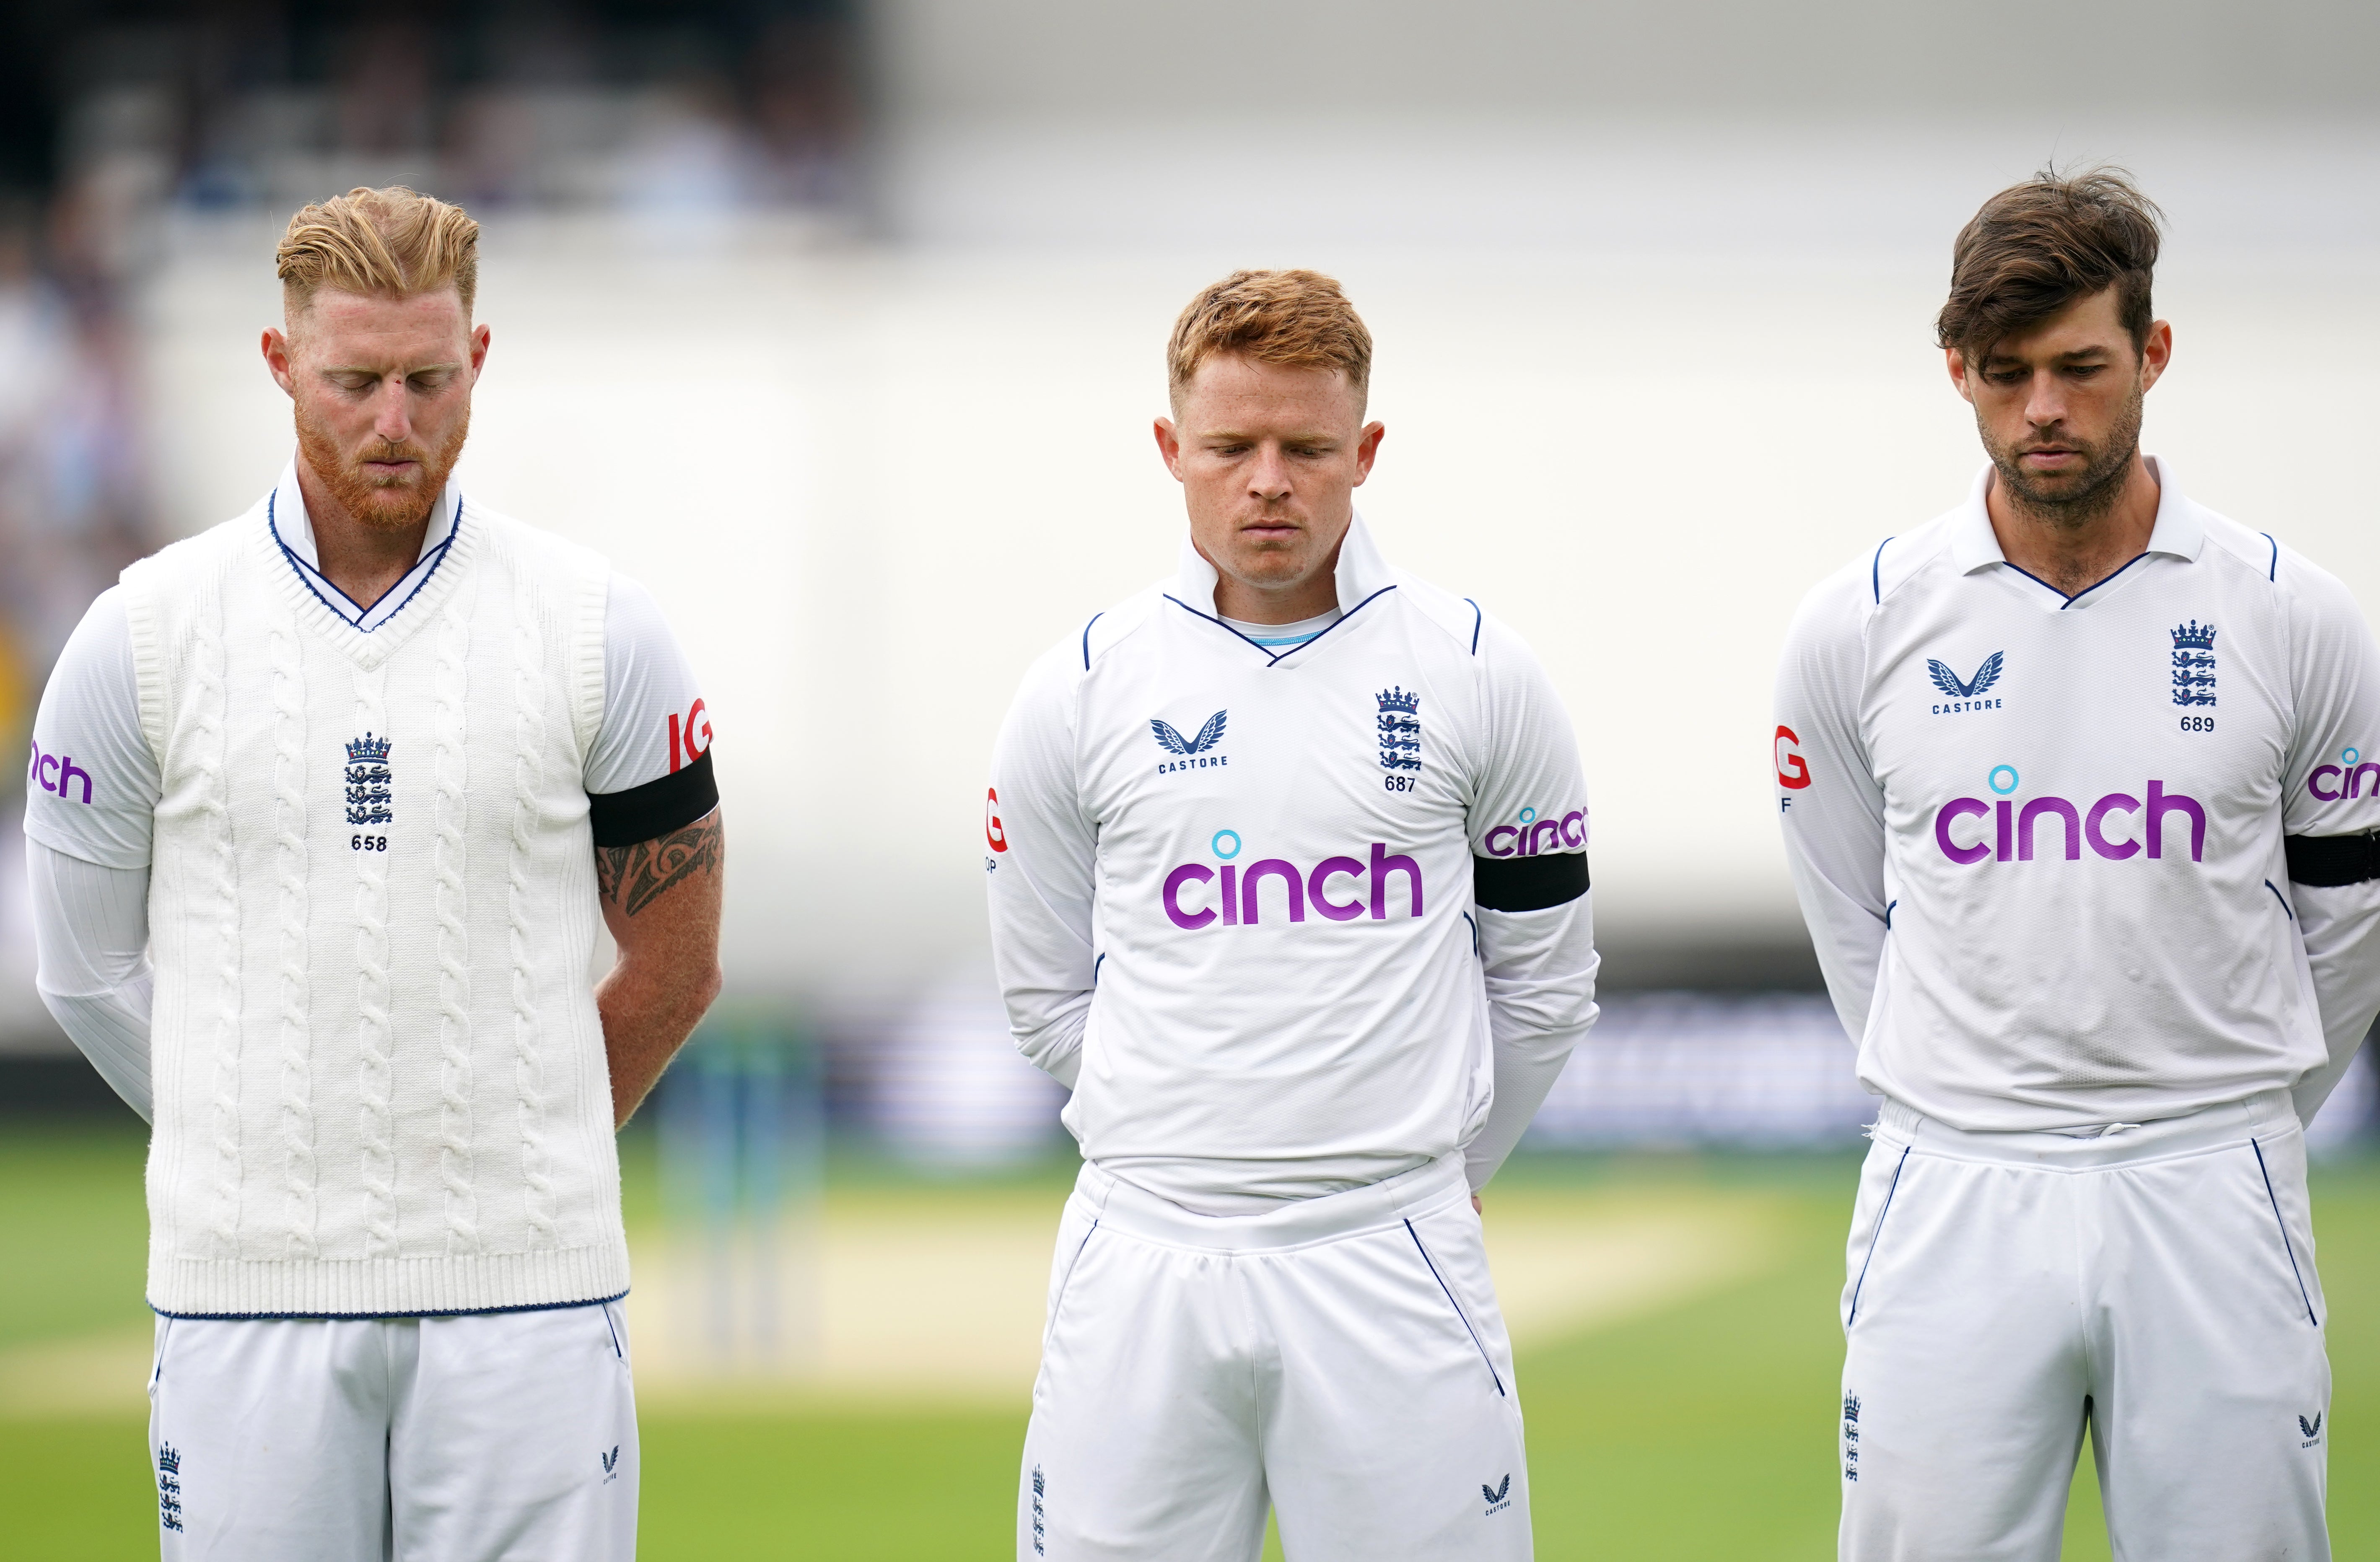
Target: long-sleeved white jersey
[2040, 842]
[1233, 888]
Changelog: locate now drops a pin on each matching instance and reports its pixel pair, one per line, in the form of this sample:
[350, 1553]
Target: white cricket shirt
[2039, 840]
[1233, 888]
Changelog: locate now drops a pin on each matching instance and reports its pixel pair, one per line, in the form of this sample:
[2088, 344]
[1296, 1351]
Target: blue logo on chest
[1948, 682]
[1197, 752]
[2193, 664]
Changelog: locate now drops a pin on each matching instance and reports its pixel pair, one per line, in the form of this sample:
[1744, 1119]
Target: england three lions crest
[368, 781]
[2193, 664]
[1400, 729]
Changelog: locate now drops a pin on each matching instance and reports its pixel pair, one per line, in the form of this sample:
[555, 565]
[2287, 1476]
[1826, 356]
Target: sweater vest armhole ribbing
[147, 660]
[591, 600]
[156, 622]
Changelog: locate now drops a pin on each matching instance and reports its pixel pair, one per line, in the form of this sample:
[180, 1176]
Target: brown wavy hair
[2038, 247]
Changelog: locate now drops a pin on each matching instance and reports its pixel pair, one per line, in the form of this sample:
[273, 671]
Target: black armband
[2328, 861]
[650, 811]
[1529, 884]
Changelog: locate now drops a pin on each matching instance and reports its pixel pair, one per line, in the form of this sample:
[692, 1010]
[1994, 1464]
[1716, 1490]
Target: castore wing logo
[1949, 683]
[1173, 742]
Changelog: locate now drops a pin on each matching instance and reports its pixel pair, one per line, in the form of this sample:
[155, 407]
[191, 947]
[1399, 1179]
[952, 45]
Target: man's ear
[1169, 447]
[1956, 361]
[2157, 352]
[1368, 449]
[279, 359]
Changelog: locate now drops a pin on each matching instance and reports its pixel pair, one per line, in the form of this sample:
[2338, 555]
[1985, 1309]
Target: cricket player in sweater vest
[1288, 876]
[2078, 787]
[327, 805]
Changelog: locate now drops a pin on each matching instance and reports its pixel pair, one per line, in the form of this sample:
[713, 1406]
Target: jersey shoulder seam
[2259, 552]
[1459, 618]
[1110, 628]
[1900, 559]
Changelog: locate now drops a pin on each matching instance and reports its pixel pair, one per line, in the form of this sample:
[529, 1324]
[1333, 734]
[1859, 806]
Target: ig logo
[1792, 770]
[690, 736]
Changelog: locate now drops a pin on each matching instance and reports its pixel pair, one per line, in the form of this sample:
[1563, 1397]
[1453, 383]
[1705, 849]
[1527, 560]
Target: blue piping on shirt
[1273, 658]
[2078, 596]
[308, 575]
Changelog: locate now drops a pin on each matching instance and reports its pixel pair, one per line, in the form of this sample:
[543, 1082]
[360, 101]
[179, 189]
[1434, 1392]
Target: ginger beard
[383, 504]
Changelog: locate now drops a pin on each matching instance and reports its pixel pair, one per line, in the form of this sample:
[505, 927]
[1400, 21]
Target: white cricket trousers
[2154, 1281]
[505, 1436]
[1340, 1360]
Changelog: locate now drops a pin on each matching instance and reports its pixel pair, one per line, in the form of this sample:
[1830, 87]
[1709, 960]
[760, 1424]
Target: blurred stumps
[743, 1151]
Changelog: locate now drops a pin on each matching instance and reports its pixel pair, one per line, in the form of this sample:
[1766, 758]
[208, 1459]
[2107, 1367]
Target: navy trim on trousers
[2287, 1246]
[1460, 1316]
[1874, 1236]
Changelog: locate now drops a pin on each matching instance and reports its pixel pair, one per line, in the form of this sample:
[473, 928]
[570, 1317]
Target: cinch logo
[683, 734]
[1792, 770]
[63, 766]
[1238, 899]
[995, 835]
[1530, 836]
[2348, 776]
[2013, 828]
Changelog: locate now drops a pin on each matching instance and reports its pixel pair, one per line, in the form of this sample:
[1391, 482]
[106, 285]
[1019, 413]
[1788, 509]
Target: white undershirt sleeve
[92, 782]
[91, 940]
[1539, 966]
[1827, 799]
[655, 723]
[1040, 858]
[2336, 670]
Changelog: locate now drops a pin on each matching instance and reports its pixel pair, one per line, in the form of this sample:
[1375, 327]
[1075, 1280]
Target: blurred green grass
[1704, 1431]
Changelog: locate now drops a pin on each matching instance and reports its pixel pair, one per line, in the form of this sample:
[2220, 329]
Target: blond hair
[392, 242]
[1296, 319]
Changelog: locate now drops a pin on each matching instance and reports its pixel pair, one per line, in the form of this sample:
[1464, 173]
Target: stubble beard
[2073, 504]
[377, 504]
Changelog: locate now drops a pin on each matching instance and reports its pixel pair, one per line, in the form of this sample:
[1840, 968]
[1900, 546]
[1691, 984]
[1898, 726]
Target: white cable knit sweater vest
[380, 1076]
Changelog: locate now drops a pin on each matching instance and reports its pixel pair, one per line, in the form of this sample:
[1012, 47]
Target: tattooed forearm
[633, 877]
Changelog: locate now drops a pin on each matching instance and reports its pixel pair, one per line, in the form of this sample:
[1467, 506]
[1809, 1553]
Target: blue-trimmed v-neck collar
[2178, 530]
[1361, 575]
[293, 532]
